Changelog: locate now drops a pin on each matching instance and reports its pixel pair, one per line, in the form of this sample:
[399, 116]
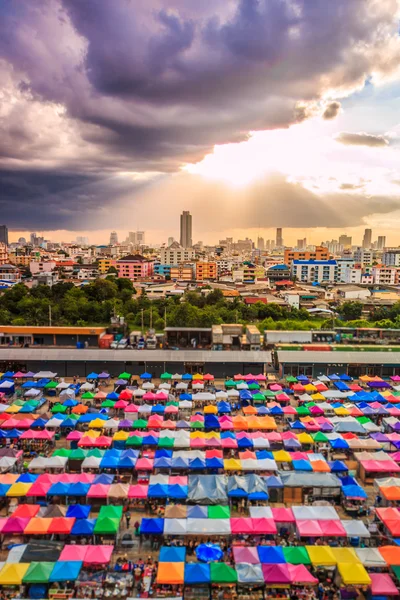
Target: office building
[140, 238]
[4, 234]
[320, 253]
[391, 257]
[113, 238]
[279, 238]
[345, 241]
[175, 254]
[301, 244]
[314, 271]
[367, 239]
[260, 244]
[381, 242]
[186, 229]
[206, 270]
[363, 257]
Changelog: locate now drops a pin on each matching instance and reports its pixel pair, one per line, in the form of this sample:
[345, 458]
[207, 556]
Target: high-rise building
[381, 242]
[186, 229]
[140, 238]
[279, 238]
[4, 234]
[260, 243]
[113, 238]
[345, 240]
[367, 239]
[302, 244]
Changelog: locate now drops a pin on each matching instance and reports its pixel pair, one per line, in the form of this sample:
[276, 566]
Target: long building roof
[339, 357]
[96, 354]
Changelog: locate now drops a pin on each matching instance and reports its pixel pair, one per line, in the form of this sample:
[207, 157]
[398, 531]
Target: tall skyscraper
[367, 239]
[279, 239]
[113, 238]
[381, 242]
[260, 244]
[4, 234]
[140, 238]
[186, 229]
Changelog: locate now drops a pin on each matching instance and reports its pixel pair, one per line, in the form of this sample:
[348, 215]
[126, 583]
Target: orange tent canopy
[171, 573]
[38, 526]
[391, 554]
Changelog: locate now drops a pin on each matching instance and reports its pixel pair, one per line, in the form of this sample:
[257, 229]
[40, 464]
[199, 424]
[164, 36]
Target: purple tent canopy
[380, 437]
[125, 424]
[104, 375]
[326, 427]
[29, 374]
[396, 426]
[379, 384]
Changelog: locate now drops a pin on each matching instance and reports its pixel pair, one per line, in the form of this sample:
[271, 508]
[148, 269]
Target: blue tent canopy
[66, 570]
[4, 487]
[109, 462]
[83, 527]
[39, 423]
[302, 465]
[296, 424]
[245, 395]
[197, 573]
[197, 463]
[224, 407]
[163, 453]
[70, 403]
[271, 555]
[59, 489]
[127, 462]
[276, 410]
[214, 463]
[337, 466]
[29, 384]
[78, 489]
[146, 376]
[260, 454]
[185, 397]
[92, 376]
[211, 422]
[339, 443]
[172, 554]
[79, 511]
[158, 490]
[345, 377]
[263, 410]
[354, 491]
[27, 478]
[149, 440]
[245, 443]
[197, 512]
[187, 377]
[258, 496]
[104, 478]
[91, 417]
[13, 433]
[152, 526]
[334, 377]
[180, 463]
[177, 491]
[158, 408]
[69, 423]
[164, 462]
[274, 482]
[112, 396]
[341, 386]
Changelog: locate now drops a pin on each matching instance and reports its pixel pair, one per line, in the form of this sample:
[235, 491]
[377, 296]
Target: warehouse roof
[342, 357]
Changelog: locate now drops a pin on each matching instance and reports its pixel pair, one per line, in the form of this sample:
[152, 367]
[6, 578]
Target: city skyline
[251, 115]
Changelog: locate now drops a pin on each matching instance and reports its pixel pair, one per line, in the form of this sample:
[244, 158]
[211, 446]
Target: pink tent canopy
[171, 409]
[74, 436]
[238, 377]
[98, 555]
[273, 436]
[144, 464]
[300, 574]
[138, 491]
[3, 521]
[277, 573]
[98, 490]
[37, 435]
[131, 408]
[161, 396]
[309, 528]
[260, 377]
[39, 489]
[289, 410]
[283, 515]
[275, 387]
[229, 443]
[20, 375]
[264, 526]
[242, 525]
[178, 480]
[380, 466]
[382, 585]
[332, 528]
[15, 525]
[75, 552]
[243, 554]
[121, 403]
[48, 478]
[197, 443]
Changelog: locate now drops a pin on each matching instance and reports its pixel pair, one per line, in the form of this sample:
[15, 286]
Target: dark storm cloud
[140, 85]
[331, 111]
[362, 139]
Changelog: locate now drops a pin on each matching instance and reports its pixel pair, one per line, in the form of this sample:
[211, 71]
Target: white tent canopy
[370, 557]
[319, 513]
[209, 526]
[175, 526]
[45, 375]
[261, 512]
[356, 529]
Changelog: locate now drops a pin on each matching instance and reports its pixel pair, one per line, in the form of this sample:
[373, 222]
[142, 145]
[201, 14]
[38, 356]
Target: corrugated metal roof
[342, 357]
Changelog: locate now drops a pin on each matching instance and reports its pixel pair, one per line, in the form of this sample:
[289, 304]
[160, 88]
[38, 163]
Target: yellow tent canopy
[12, 573]
[345, 556]
[282, 456]
[92, 434]
[341, 412]
[318, 397]
[305, 438]
[232, 464]
[121, 436]
[18, 489]
[321, 555]
[354, 574]
[96, 424]
[210, 409]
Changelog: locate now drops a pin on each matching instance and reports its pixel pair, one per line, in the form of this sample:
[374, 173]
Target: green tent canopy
[302, 410]
[87, 396]
[219, 512]
[197, 425]
[172, 403]
[38, 572]
[320, 437]
[78, 454]
[230, 383]
[296, 555]
[291, 379]
[165, 442]
[106, 526]
[124, 375]
[108, 404]
[222, 573]
[254, 386]
[258, 397]
[269, 394]
[62, 452]
[51, 385]
[140, 424]
[363, 420]
[166, 376]
[134, 440]
[59, 408]
[97, 452]
[111, 510]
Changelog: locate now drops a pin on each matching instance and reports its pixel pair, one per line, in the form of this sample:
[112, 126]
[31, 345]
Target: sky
[252, 114]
